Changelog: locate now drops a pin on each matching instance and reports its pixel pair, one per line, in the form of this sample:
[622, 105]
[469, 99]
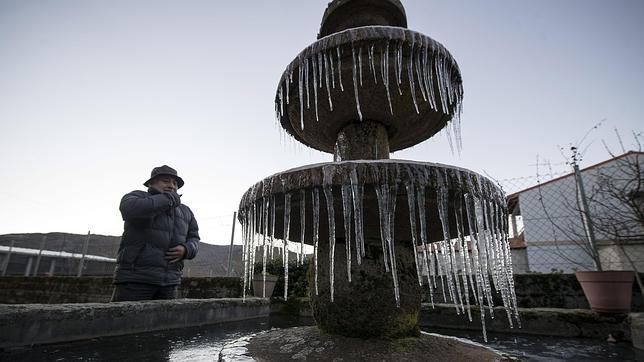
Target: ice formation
[474, 204]
[428, 67]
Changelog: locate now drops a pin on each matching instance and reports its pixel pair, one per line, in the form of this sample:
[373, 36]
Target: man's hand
[175, 254]
[176, 198]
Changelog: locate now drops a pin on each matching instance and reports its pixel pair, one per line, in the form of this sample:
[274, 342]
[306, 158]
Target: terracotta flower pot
[258, 285]
[607, 291]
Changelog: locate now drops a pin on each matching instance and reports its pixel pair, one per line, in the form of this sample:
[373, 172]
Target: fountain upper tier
[400, 79]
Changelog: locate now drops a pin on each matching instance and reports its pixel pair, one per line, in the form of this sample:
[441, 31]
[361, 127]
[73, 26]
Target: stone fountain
[382, 231]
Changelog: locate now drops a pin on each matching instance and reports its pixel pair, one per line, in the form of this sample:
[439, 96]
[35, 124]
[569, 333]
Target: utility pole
[82, 261]
[230, 249]
[42, 246]
[5, 264]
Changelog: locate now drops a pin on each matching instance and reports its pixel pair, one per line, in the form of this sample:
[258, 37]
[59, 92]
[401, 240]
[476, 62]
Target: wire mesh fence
[574, 221]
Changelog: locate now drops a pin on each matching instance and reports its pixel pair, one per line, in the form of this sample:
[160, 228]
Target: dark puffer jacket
[153, 224]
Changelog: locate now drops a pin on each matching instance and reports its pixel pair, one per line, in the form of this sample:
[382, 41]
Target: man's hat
[164, 170]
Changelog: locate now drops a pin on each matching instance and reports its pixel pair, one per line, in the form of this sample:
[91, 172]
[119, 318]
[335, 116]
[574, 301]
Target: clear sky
[94, 94]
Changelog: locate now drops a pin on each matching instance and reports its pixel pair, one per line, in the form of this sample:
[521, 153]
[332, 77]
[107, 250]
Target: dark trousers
[141, 291]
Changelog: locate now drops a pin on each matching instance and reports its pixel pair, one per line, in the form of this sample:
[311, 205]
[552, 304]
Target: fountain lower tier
[387, 226]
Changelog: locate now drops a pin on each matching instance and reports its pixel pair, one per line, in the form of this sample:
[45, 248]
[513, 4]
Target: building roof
[513, 199]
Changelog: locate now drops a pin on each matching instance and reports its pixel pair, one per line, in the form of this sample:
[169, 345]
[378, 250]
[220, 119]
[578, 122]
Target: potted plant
[264, 284]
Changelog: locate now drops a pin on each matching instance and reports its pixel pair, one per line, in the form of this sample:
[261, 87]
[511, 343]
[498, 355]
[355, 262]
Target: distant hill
[212, 260]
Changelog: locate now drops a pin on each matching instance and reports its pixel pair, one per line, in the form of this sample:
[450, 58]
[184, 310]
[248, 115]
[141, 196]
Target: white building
[553, 229]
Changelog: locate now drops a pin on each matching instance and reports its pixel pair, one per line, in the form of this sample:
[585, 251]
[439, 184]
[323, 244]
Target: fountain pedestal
[365, 307]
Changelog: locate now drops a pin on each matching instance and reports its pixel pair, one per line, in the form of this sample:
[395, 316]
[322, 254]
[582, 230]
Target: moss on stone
[403, 325]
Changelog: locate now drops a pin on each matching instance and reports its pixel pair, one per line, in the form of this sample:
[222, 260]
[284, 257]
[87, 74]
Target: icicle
[302, 225]
[315, 87]
[411, 202]
[420, 193]
[280, 94]
[315, 199]
[429, 81]
[357, 190]
[447, 246]
[300, 94]
[480, 284]
[431, 274]
[330, 57]
[326, 76]
[287, 224]
[320, 68]
[440, 80]
[289, 76]
[398, 66]
[272, 227]
[410, 74]
[252, 250]
[264, 235]
[306, 83]
[393, 193]
[384, 55]
[419, 70]
[328, 194]
[340, 68]
[383, 201]
[360, 64]
[355, 85]
[465, 258]
[483, 248]
[346, 211]
[244, 247]
[386, 208]
[372, 64]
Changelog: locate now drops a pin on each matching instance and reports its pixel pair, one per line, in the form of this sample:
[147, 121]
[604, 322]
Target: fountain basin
[300, 183]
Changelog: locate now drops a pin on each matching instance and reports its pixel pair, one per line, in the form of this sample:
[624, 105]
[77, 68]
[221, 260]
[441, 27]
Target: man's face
[164, 183]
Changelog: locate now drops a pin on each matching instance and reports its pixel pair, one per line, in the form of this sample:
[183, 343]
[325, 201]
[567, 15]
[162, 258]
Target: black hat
[164, 170]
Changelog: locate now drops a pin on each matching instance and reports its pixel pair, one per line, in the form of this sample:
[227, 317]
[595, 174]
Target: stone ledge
[637, 330]
[538, 321]
[29, 324]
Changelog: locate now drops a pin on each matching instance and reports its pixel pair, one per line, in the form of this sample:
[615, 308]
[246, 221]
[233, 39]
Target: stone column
[366, 306]
[367, 140]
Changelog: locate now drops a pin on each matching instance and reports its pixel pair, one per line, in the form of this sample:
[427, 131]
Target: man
[159, 233]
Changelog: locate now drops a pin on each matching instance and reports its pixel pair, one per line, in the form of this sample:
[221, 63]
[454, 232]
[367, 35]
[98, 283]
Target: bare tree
[612, 208]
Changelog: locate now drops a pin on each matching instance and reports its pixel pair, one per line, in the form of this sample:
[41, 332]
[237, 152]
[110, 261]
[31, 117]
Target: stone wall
[533, 290]
[51, 290]
[24, 325]
[547, 291]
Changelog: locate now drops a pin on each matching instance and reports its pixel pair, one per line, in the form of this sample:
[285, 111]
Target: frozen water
[425, 62]
[470, 261]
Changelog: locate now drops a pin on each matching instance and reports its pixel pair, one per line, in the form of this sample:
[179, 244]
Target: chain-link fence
[569, 221]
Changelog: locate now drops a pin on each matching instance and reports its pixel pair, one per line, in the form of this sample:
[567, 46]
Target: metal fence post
[82, 261]
[5, 263]
[42, 246]
[230, 249]
[585, 216]
[28, 268]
